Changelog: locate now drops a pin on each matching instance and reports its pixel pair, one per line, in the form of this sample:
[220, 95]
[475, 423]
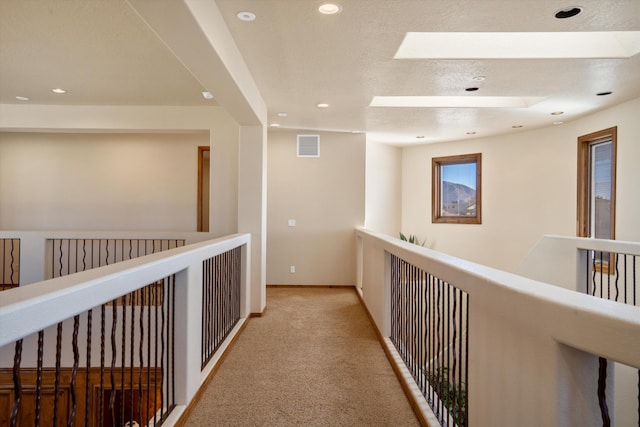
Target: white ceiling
[104, 54]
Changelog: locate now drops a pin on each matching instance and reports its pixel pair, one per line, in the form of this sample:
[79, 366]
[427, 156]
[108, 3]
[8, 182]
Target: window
[455, 192]
[597, 188]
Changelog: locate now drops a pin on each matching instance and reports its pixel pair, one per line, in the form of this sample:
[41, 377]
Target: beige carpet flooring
[312, 360]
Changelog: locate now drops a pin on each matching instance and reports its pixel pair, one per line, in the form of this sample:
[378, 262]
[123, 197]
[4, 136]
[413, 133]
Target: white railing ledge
[28, 309]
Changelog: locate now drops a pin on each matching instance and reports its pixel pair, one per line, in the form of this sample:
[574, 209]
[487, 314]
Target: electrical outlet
[292, 223]
[292, 269]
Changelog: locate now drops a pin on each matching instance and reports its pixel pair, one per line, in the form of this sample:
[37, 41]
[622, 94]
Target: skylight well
[519, 45]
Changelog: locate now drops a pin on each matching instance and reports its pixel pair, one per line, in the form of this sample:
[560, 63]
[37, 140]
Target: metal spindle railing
[429, 324]
[68, 256]
[612, 276]
[221, 284]
[135, 379]
[9, 263]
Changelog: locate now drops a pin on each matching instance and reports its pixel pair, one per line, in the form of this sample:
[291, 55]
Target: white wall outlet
[292, 223]
[292, 269]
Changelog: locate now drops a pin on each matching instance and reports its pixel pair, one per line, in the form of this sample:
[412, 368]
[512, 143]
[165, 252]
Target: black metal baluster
[88, 371]
[56, 392]
[141, 350]
[74, 371]
[17, 384]
[39, 367]
[134, 300]
[103, 339]
[112, 397]
[602, 398]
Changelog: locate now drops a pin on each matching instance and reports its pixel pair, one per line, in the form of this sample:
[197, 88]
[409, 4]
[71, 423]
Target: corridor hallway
[313, 359]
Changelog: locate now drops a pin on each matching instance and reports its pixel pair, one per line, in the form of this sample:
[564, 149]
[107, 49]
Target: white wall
[325, 196]
[529, 186]
[111, 172]
[383, 192]
[99, 181]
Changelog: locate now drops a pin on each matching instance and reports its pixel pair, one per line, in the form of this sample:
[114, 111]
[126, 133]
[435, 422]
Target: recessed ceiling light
[207, 95]
[557, 113]
[604, 93]
[322, 105]
[58, 90]
[471, 133]
[569, 12]
[282, 114]
[479, 78]
[519, 45]
[471, 89]
[329, 8]
[455, 101]
[274, 125]
[246, 16]
[558, 123]
[420, 137]
[516, 126]
[22, 98]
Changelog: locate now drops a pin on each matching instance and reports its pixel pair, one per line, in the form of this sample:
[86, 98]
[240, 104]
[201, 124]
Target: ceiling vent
[308, 145]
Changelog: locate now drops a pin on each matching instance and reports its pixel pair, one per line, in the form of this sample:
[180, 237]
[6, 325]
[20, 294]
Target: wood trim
[436, 176]
[201, 151]
[184, 417]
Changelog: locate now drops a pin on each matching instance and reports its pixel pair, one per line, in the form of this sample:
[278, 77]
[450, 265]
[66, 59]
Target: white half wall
[383, 188]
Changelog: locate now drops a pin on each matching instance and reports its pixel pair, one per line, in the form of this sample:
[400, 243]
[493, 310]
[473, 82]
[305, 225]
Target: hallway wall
[130, 168]
[529, 187]
[325, 196]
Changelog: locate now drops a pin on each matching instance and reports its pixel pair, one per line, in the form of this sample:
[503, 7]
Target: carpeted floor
[312, 360]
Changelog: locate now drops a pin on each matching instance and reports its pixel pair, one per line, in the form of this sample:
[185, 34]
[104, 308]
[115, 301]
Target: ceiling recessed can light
[471, 133]
[329, 8]
[322, 105]
[274, 125]
[479, 78]
[604, 93]
[471, 89]
[22, 98]
[420, 137]
[516, 126]
[246, 16]
[557, 113]
[569, 12]
[207, 95]
[282, 114]
[558, 123]
[58, 90]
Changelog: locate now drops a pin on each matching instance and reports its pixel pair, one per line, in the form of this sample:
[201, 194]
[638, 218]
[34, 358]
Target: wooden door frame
[201, 151]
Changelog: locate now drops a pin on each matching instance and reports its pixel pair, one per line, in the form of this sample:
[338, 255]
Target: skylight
[455, 101]
[517, 45]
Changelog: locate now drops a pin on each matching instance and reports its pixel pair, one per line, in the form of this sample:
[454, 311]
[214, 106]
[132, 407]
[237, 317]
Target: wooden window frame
[584, 178]
[436, 165]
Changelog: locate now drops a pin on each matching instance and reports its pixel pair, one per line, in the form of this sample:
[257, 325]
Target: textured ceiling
[104, 54]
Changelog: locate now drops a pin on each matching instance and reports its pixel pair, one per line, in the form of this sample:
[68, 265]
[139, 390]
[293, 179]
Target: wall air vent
[308, 145]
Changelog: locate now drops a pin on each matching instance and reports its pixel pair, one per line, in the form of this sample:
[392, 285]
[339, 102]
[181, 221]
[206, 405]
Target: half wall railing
[131, 341]
[498, 348]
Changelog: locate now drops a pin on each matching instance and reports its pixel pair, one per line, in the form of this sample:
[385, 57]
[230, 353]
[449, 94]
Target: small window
[456, 189]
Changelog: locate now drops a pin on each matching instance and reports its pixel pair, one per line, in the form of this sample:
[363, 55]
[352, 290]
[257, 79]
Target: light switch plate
[292, 223]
